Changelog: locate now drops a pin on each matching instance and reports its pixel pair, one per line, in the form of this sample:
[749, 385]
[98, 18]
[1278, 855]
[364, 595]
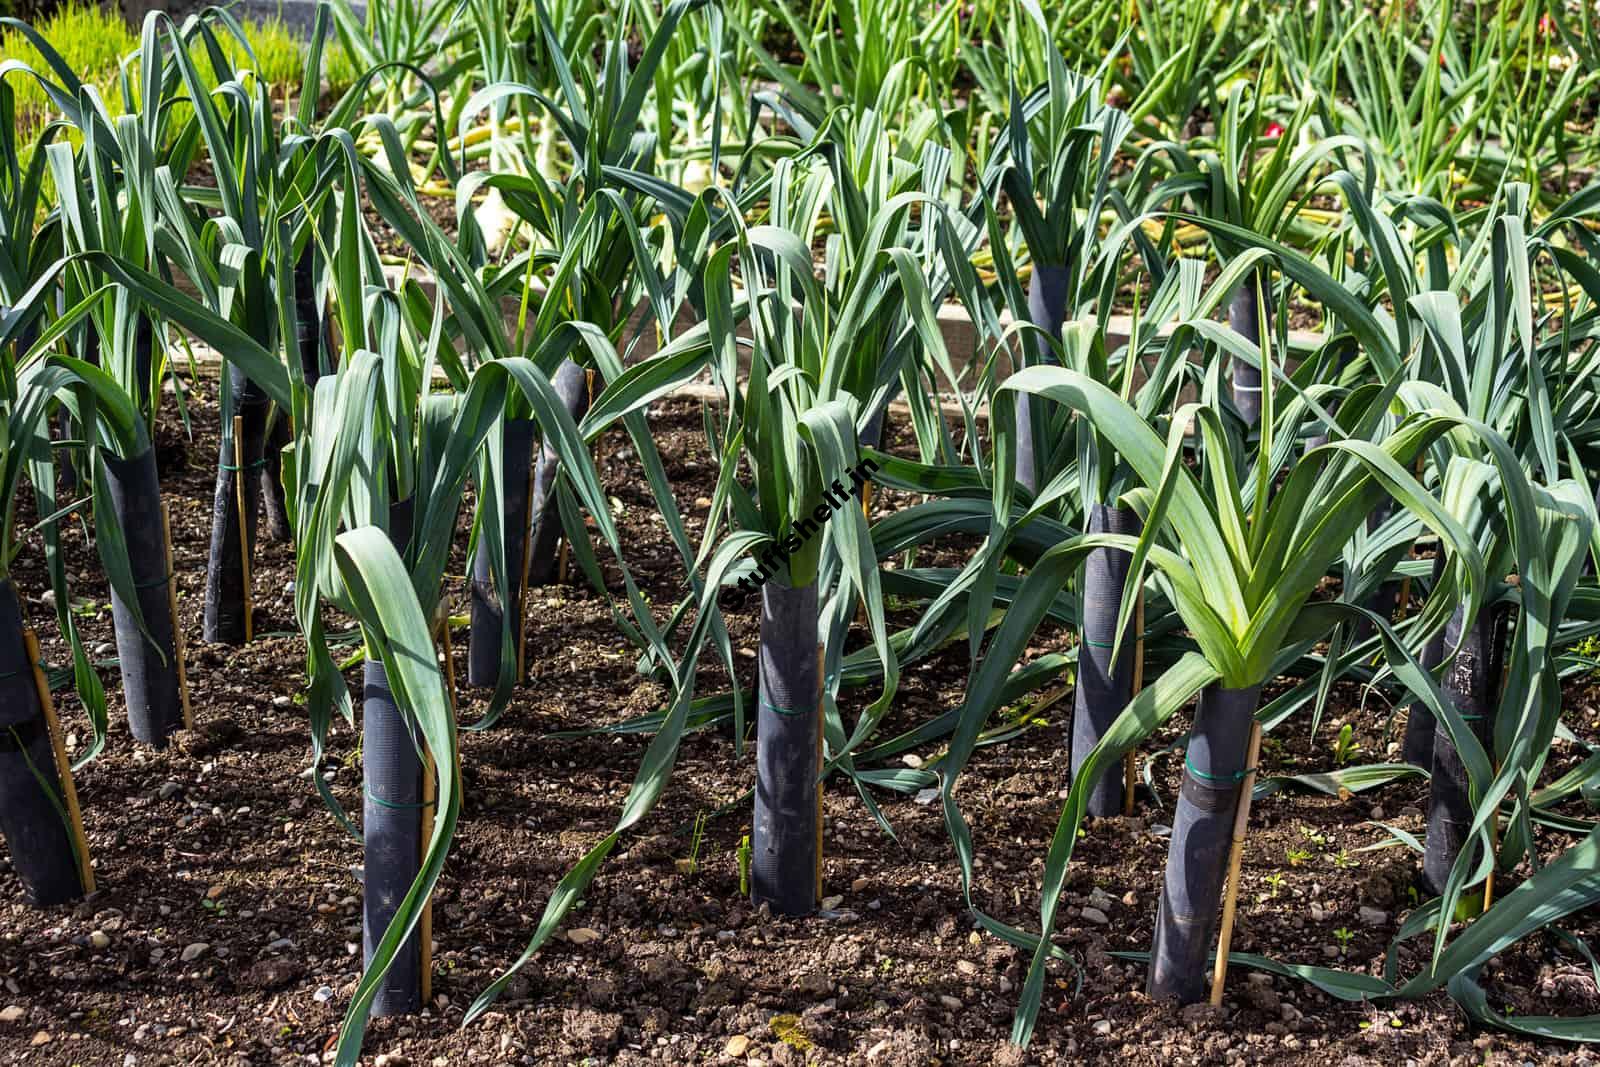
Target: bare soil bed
[226, 926]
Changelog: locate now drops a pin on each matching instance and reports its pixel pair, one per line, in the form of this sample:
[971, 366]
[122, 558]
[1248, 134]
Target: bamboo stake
[69, 791]
[522, 587]
[1494, 847]
[1230, 902]
[1494, 823]
[177, 629]
[821, 662]
[1130, 762]
[244, 530]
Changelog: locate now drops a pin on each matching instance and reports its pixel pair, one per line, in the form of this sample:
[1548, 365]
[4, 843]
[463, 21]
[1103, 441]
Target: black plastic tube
[311, 336]
[391, 835]
[1103, 687]
[488, 603]
[66, 428]
[871, 435]
[1202, 831]
[225, 601]
[1244, 319]
[1472, 686]
[391, 826]
[33, 807]
[311, 332]
[144, 345]
[148, 658]
[1417, 748]
[571, 384]
[783, 869]
[274, 506]
[1047, 309]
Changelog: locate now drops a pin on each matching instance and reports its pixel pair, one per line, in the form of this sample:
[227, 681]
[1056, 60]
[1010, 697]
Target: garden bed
[220, 842]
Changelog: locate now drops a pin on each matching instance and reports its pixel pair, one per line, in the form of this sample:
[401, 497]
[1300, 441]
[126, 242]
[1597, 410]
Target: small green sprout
[1345, 748]
[745, 854]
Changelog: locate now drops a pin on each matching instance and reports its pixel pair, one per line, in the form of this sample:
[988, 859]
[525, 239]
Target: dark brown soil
[220, 841]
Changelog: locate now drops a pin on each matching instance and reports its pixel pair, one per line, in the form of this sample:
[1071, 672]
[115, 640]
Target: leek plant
[691, 116]
[99, 213]
[1262, 555]
[1055, 162]
[900, 56]
[1490, 359]
[587, 245]
[1309, 529]
[1257, 176]
[224, 241]
[819, 365]
[1482, 351]
[1148, 372]
[799, 440]
[34, 817]
[378, 444]
[816, 356]
[28, 290]
[1176, 51]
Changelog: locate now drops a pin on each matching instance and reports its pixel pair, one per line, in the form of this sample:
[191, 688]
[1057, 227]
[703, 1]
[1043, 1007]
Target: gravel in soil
[227, 924]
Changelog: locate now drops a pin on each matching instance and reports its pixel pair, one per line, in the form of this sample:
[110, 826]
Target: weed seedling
[745, 853]
[691, 864]
[1345, 748]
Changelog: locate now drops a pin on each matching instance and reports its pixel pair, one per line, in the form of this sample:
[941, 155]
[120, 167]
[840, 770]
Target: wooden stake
[69, 791]
[821, 718]
[522, 586]
[1494, 846]
[244, 530]
[1230, 902]
[177, 628]
[1130, 761]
